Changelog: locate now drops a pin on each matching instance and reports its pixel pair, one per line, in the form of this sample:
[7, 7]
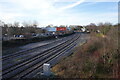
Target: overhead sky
[59, 12]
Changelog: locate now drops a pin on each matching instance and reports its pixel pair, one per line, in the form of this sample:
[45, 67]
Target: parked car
[21, 36]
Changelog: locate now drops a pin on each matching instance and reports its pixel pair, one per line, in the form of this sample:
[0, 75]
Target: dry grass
[97, 58]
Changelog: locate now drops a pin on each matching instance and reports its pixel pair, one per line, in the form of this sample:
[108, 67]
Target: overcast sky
[59, 12]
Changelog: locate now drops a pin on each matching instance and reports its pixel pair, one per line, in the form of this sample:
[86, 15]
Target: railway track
[46, 59]
[39, 55]
[28, 52]
[21, 70]
[52, 61]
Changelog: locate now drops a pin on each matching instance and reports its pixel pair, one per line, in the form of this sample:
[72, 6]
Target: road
[26, 64]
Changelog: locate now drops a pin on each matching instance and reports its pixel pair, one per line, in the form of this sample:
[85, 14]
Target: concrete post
[46, 69]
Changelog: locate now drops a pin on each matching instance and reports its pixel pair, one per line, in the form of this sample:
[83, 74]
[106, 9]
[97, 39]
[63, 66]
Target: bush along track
[98, 58]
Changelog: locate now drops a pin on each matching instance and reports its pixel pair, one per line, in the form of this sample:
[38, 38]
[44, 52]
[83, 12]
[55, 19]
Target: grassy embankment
[98, 58]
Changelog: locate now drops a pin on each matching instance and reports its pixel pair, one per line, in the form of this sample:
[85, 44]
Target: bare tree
[35, 24]
[104, 27]
[1, 23]
[92, 27]
[4, 29]
[16, 24]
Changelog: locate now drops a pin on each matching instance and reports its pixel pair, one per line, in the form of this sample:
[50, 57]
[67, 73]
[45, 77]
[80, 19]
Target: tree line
[29, 28]
[16, 29]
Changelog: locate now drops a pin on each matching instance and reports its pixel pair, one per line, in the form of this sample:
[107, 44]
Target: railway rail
[30, 66]
[6, 57]
[36, 51]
